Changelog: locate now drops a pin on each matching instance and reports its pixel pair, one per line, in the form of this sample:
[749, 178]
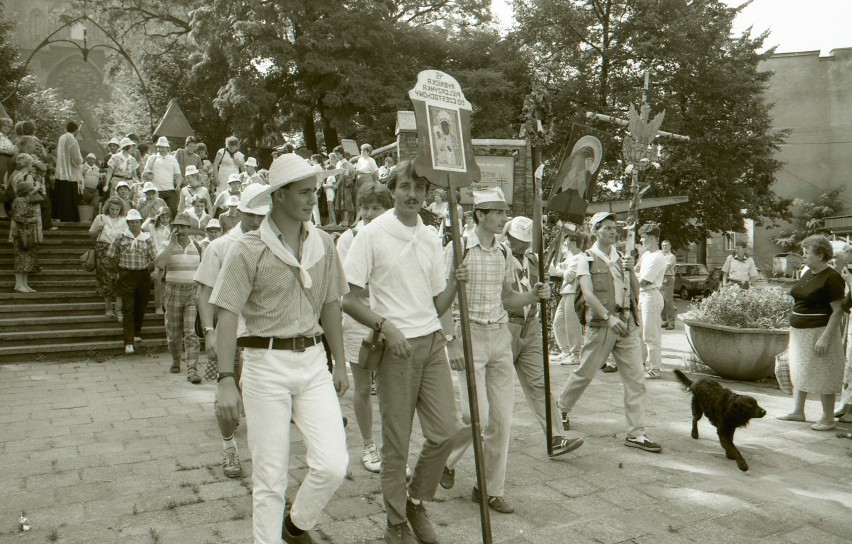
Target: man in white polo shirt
[205, 277]
[650, 271]
[282, 279]
[403, 263]
[167, 174]
[180, 259]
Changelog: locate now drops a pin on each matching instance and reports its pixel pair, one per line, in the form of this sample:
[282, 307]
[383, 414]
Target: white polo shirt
[652, 268]
[165, 168]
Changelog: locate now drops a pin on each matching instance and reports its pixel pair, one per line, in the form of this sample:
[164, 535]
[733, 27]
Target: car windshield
[693, 270]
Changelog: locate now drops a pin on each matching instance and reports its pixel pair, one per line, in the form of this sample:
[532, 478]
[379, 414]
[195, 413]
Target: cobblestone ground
[123, 451]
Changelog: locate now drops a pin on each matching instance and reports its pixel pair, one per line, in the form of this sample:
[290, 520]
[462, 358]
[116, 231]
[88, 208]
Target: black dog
[726, 410]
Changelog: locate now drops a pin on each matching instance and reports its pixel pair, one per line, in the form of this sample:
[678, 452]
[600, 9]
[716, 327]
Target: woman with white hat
[23, 231]
[250, 174]
[194, 187]
[151, 204]
[199, 217]
[228, 161]
[121, 167]
[105, 228]
[234, 189]
[229, 219]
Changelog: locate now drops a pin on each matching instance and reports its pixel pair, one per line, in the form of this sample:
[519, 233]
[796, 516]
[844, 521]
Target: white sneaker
[407, 472]
[371, 459]
[128, 349]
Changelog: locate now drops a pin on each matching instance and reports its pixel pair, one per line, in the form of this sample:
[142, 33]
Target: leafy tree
[591, 54]
[810, 219]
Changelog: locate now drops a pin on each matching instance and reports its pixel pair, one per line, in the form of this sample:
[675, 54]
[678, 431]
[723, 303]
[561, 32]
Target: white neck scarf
[612, 260]
[312, 250]
[136, 239]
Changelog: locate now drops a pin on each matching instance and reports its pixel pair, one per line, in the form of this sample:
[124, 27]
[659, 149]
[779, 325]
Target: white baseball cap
[133, 215]
[148, 187]
[190, 170]
[521, 227]
[213, 224]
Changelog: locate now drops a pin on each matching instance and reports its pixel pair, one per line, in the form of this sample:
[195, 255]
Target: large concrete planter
[736, 354]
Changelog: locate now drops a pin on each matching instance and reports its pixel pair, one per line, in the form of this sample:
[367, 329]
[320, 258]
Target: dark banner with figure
[573, 184]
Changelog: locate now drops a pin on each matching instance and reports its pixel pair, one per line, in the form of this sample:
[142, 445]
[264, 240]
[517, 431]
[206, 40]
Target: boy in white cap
[525, 329]
[180, 259]
[229, 219]
[192, 188]
[234, 188]
[167, 174]
[213, 230]
[91, 182]
[135, 254]
[402, 261]
[610, 329]
[151, 204]
[122, 192]
[250, 175]
[282, 280]
[489, 295]
[250, 218]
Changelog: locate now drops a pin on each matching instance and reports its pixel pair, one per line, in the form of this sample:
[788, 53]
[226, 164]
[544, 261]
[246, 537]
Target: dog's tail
[683, 379]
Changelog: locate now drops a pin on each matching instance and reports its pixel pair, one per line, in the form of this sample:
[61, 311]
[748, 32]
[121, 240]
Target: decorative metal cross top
[639, 152]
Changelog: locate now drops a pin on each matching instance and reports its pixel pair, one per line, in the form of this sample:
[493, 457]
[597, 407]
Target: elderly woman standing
[22, 233]
[7, 158]
[105, 228]
[816, 340]
[228, 161]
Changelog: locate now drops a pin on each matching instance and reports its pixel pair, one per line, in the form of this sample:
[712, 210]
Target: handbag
[26, 237]
[782, 372]
[372, 350]
[88, 261]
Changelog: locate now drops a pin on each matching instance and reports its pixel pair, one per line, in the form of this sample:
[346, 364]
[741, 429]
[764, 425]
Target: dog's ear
[739, 411]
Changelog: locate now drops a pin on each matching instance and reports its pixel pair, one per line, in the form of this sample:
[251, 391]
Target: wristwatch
[449, 337]
[223, 375]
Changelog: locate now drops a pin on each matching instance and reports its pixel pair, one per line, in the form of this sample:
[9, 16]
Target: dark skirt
[64, 200]
[106, 271]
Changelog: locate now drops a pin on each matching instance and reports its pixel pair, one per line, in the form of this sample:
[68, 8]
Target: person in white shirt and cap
[249, 219]
[91, 182]
[250, 175]
[122, 192]
[151, 205]
[193, 187]
[234, 189]
[489, 295]
[122, 166]
[525, 328]
[231, 218]
[282, 280]
[213, 230]
[167, 174]
[611, 328]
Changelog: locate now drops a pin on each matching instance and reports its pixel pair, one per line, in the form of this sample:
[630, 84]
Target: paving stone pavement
[123, 451]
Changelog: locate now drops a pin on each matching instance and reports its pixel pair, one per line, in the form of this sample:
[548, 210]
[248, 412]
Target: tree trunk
[329, 133]
[604, 80]
[309, 131]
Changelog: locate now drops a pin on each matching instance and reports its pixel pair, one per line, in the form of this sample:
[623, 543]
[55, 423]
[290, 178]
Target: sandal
[119, 318]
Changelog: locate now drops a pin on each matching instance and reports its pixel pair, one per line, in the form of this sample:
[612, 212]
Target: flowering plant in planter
[746, 309]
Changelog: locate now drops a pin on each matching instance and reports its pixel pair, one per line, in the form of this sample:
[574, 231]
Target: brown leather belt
[296, 343]
[516, 319]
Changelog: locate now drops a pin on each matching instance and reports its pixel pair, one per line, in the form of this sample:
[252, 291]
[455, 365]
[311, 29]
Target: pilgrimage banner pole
[445, 158]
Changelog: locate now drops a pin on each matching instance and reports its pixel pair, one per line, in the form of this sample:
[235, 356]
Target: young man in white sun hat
[282, 280]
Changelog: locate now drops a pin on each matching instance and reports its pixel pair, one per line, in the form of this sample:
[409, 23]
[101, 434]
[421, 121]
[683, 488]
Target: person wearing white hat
[181, 259]
[68, 183]
[610, 329]
[187, 156]
[194, 187]
[122, 193]
[213, 230]
[250, 173]
[231, 218]
[234, 189]
[490, 295]
[229, 160]
[91, 181]
[167, 174]
[208, 271]
[151, 204]
[402, 261]
[566, 325]
[282, 280]
[122, 166]
[525, 329]
[135, 254]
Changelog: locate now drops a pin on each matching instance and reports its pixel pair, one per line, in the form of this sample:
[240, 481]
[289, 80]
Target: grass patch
[155, 536]
[692, 364]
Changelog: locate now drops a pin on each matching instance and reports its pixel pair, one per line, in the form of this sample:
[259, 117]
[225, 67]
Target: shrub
[750, 309]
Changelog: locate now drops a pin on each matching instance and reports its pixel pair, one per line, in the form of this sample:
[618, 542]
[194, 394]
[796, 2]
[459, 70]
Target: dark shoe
[345, 421]
[193, 377]
[562, 445]
[175, 369]
[643, 443]
[448, 478]
[566, 423]
[421, 525]
[304, 538]
[398, 534]
[609, 368]
[496, 503]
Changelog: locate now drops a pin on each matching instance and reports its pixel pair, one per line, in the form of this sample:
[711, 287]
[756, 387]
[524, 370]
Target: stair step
[14, 298]
[49, 308]
[102, 348]
[94, 323]
[52, 285]
[58, 251]
[45, 261]
[38, 339]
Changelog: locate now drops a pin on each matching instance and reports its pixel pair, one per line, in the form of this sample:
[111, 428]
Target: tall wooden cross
[639, 153]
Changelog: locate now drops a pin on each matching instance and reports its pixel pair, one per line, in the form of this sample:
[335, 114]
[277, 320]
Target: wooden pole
[475, 429]
[538, 215]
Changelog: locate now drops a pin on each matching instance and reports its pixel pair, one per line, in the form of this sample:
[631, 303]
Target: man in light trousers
[650, 270]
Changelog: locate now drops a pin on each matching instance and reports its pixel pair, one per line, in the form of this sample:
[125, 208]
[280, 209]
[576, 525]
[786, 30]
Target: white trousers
[278, 385]
[650, 306]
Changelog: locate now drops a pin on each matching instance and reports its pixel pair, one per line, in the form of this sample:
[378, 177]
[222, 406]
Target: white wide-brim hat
[148, 187]
[126, 142]
[115, 141]
[121, 184]
[234, 178]
[251, 162]
[162, 141]
[232, 200]
[190, 170]
[133, 215]
[286, 169]
[251, 200]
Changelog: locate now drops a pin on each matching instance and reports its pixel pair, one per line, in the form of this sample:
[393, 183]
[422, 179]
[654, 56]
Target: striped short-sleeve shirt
[257, 285]
[183, 264]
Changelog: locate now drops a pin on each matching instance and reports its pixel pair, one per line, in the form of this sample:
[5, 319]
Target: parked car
[690, 280]
[714, 280]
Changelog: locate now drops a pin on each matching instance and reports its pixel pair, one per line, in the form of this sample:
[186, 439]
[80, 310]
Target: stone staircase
[65, 318]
